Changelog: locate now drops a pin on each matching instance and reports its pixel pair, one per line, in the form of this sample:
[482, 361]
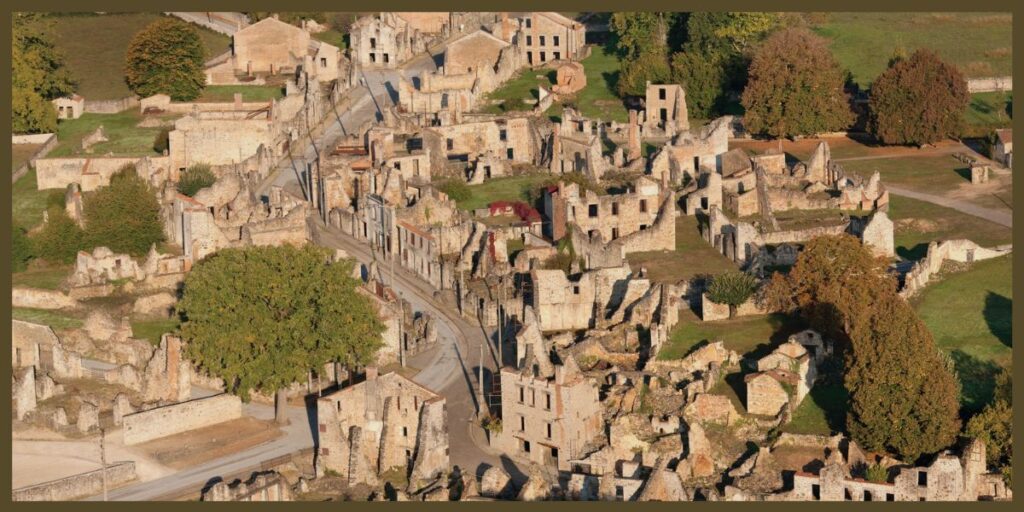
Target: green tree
[903, 393]
[918, 100]
[642, 44]
[261, 317]
[634, 72]
[60, 239]
[125, 215]
[732, 288]
[22, 249]
[994, 424]
[795, 87]
[195, 178]
[38, 74]
[166, 57]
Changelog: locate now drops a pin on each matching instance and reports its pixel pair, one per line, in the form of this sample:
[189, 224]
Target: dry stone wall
[182, 417]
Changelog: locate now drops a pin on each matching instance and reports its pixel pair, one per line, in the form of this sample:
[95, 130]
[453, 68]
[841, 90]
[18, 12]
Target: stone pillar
[633, 145]
[431, 459]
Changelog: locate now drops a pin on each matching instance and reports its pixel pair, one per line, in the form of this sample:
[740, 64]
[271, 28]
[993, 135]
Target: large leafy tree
[262, 317]
[166, 57]
[903, 392]
[795, 87]
[642, 44]
[712, 65]
[38, 74]
[732, 288]
[918, 100]
[125, 215]
[60, 239]
[994, 424]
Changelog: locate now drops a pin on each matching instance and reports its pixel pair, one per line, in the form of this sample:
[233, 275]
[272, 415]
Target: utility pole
[501, 314]
[103, 460]
[480, 406]
[401, 332]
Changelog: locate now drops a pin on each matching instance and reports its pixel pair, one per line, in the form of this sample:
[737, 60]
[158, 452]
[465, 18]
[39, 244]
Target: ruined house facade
[384, 423]
[549, 36]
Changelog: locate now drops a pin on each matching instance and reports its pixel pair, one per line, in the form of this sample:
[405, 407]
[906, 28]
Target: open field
[513, 188]
[598, 99]
[20, 153]
[755, 335]
[980, 44]
[58, 320]
[692, 257]
[152, 330]
[990, 110]
[42, 276]
[940, 175]
[916, 223]
[94, 47]
[969, 314]
[519, 93]
[125, 138]
[28, 203]
[250, 93]
[822, 412]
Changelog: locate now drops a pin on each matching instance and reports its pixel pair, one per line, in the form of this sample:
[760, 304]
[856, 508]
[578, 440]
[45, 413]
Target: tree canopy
[918, 100]
[167, 57]
[123, 216]
[194, 179]
[642, 44]
[795, 87]
[732, 288]
[904, 396]
[261, 317]
[38, 74]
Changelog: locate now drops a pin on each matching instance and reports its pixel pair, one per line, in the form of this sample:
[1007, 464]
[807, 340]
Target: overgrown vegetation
[60, 239]
[123, 216]
[732, 288]
[194, 179]
[38, 74]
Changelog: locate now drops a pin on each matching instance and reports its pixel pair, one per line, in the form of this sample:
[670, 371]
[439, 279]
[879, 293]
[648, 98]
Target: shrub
[876, 473]
[60, 239]
[732, 288]
[22, 249]
[124, 216]
[456, 189]
[162, 141]
[195, 178]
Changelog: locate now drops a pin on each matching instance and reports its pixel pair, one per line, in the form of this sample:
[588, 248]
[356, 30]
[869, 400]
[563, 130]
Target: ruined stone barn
[550, 414]
[384, 423]
[271, 46]
[1002, 151]
[473, 51]
[550, 36]
[513, 139]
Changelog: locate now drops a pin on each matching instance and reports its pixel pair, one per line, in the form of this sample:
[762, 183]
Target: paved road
[997, 216]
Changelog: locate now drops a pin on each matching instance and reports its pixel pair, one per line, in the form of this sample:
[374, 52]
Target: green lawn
[928, 174]
[46, 277]
[980, 44]
[598, 99]
[692, 257]
[125, 138]
[514, 188]
[822, 412]
[333, 37]
[95, 45]
[20, 153]
[223, 93]
[28, 203]
[969, 314]
[748, 334]
[519, 93]
[988, 111]
[56, 319]
[152, 330]
[917, 223]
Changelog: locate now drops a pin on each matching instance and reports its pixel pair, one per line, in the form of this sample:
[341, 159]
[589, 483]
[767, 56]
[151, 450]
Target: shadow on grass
[964, 172]
[977, 381]
[913, 253]
[998, 311]
[611, 80]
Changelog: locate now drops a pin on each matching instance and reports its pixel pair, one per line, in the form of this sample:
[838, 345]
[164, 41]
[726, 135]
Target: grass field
[514, 188]
[749, 334]
[693, 256]
[599, 99]
[125, 138]
[990, 110]
[46, 277]
[980, 44]
[95, 45]
[56, 319]
[519, 93]
[822, 412]
[28, 203]
[223, 93]
[969, 314]
[20, 153]
[152, 330]
[917, 223]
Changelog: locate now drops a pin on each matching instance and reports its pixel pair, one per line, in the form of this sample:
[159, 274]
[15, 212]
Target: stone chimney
[506, 30]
